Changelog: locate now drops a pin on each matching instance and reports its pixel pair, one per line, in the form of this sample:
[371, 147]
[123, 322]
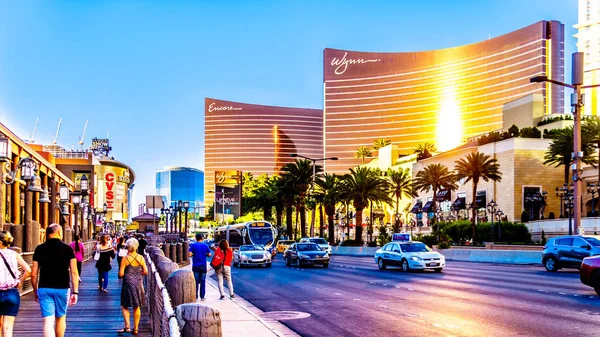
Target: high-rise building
[257, 138]
[588, 42]
[180, 183]
[440, 96]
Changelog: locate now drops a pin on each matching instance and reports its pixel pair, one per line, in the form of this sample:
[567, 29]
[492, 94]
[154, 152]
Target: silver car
[251, 255]
[409, 256]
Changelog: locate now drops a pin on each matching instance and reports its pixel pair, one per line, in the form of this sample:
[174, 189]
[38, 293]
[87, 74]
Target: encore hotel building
[257, 138]
[440, 96]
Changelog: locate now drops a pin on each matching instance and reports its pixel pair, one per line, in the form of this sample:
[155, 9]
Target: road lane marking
[561, 293]
[337, 294]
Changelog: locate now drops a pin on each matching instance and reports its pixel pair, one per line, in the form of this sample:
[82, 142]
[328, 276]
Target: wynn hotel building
[257, 138]
[440, 96]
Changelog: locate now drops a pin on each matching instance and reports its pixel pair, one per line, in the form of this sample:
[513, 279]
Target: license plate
[432, 264]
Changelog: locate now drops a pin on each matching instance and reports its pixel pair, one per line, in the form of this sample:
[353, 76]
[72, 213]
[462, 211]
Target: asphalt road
[353, 298]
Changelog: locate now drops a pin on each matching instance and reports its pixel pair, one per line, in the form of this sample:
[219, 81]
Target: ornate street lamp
[5, 148]
[186, 206]
[593, 190]
[84, 184]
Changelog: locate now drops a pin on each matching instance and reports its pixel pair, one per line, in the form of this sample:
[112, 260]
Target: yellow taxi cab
[283, 244]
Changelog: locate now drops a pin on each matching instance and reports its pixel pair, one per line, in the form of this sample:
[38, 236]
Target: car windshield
[286, 242]
[593, 241]
[261, 236]
[414, 247]
[306, 247]
[247, 248]
[319, 241]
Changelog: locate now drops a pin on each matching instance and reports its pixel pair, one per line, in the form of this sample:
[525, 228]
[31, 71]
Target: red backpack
[219, 260]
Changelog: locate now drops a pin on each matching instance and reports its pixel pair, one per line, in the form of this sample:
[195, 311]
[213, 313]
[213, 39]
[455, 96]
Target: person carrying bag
[10, 281]
[221, 263]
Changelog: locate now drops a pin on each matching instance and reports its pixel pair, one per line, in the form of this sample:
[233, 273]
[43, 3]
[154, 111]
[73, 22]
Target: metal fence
[26, 287]
[162, 316]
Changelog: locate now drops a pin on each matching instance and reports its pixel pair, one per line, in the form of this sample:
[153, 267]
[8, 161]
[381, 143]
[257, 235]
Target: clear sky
[140, 70]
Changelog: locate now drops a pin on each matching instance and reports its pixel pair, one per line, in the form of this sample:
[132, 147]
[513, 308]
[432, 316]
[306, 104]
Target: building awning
[428, 207]
[480, 201]
[417, 207]
[443, 195]
[459, 204]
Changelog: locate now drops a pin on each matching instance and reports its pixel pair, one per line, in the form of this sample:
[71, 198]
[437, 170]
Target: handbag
[97, 255]
[123, 252]
[8, 267]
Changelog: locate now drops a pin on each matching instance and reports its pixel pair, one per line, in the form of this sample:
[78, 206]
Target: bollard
[35, 234]
[186, 249]
[68, 235]
[179, 253]
[166, 248]
[165, 268]
[196, 319]
[181, 286]
[173, 253]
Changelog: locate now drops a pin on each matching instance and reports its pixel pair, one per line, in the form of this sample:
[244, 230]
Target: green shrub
[551, 216]
[543, 237]
[528, 132]
[524, 216]
[444, 245]
[429, 240]
[372, 244]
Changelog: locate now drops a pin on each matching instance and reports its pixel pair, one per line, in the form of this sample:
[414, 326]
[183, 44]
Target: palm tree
[299, 176]
[363, 185]
[381, 142]
[473, 167]
[287, 194]
[434, 177]
[424, 150]
[591, 131]
[329, 193]
[363, 152]
[560, 150]
[400, 185]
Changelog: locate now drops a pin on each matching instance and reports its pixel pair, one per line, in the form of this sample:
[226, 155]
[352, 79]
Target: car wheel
[551, 264]
[596, 283]
[380, 264]
[268, 265]
[438, 270]
[325, 265]
[287, 261]
[405, 266]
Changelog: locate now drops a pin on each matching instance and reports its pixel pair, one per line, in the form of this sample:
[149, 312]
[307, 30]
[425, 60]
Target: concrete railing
[556, 227]
[493, 256]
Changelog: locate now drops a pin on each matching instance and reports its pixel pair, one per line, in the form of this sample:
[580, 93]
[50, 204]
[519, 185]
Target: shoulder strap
[8, 267]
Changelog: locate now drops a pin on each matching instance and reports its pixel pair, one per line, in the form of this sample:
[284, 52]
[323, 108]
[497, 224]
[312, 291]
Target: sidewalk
[238, 316]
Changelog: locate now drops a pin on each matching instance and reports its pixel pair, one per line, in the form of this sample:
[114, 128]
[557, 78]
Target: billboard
[112, 183]
[228, 194]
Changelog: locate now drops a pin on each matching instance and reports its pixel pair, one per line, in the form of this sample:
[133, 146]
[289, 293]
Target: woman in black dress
[107, 253]
[132, 270]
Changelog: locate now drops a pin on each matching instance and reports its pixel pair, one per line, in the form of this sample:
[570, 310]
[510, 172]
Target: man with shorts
[55, 264]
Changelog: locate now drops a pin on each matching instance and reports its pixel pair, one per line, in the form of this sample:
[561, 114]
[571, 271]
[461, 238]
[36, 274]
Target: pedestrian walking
[78, 249]
[199, 251]
[221, 263]
[132, 269]
[142, 245]
[107, 253]
[121, 251]
[55, 263]
[10, 281]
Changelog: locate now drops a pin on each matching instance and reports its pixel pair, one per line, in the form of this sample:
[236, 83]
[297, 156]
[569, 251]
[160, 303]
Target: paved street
[353, 298]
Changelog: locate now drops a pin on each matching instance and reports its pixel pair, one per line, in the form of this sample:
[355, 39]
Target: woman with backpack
[221, 263]
[10, 281]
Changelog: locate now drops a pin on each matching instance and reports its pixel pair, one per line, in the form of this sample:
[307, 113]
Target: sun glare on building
[449, 126]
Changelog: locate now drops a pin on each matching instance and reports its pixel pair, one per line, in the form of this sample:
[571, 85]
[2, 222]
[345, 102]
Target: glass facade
[257, 138]
[181, 183]
[440, 96]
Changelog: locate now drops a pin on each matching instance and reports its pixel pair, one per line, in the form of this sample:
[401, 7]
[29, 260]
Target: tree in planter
[363, 185]
[475, 167]
[434, 177]
[329, 190]
[363, 152]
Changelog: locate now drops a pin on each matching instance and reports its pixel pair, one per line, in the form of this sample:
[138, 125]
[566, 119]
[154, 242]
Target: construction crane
[32, 135]
[55, 138]
[81, 139]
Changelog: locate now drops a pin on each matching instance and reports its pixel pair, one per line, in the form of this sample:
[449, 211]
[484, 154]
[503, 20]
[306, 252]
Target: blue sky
[140, 70]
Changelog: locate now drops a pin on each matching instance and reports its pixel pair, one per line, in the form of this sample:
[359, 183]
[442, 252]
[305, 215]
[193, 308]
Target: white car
[251, 255]
[322, 243]
[409, 256]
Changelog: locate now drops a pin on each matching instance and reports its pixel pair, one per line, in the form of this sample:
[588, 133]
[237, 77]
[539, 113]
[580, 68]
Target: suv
[322, 243]
[568, 251]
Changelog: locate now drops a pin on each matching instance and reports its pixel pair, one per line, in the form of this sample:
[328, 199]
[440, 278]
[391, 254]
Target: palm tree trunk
[321, 224]
[567, 166]
[288, 221]
[358, 224]
[312, 221]
[303, 221]
[296, 229]
[331, 229]
[474, 212]
[278, 215]
[268, 213]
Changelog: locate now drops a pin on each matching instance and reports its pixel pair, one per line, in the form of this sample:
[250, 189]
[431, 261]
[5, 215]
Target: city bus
[259, 233]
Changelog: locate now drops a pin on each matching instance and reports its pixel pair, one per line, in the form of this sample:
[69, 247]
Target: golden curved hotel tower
[440, 96]
[257, 138]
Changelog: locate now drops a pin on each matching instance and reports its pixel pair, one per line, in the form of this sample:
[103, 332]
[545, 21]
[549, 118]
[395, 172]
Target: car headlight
[302, 256]
[416, 258]
[266, 255]
[325, 256]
